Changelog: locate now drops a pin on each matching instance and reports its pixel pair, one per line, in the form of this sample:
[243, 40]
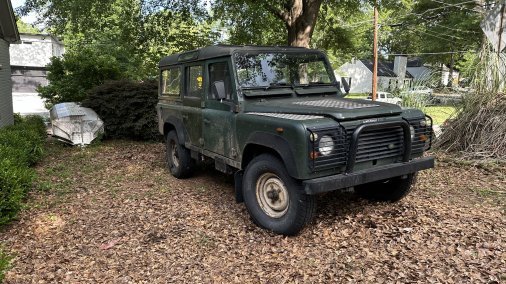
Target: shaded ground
[112, 213]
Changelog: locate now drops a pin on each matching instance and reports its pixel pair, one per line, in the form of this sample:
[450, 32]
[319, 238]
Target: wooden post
[375, 53]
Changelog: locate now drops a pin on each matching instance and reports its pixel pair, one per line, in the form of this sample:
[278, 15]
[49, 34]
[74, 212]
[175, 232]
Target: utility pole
[375, 53]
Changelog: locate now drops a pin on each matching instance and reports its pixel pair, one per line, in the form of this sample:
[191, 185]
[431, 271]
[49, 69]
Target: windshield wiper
[315, 84]
[277, 85]
[270, 86]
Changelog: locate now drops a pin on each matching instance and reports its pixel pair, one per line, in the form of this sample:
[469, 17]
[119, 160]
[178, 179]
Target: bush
[127, 108]
[21, 146]
[73, 75]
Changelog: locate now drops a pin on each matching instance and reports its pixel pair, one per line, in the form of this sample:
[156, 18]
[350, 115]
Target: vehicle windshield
[276, 69]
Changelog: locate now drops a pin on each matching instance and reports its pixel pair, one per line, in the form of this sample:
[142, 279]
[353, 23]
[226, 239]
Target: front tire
[391, 190]
[178, 157]
[275, 200]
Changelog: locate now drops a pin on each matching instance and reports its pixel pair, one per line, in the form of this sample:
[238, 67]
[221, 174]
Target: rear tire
[275, 200]
[391, 190]
[178, 157]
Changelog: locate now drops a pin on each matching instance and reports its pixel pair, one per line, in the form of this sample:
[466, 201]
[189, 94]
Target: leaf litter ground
[112, 213]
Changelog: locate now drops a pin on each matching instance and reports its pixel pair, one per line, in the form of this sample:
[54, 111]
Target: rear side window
[195, 82]
[171, 82]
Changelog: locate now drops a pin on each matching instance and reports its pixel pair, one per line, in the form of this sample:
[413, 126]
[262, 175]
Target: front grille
[372, 145]
[379, 144]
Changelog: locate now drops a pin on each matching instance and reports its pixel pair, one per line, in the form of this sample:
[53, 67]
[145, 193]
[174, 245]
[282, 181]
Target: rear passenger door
[192, 102]
[219, 114]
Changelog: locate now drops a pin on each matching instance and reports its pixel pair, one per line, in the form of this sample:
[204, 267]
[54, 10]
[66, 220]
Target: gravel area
[112, 213]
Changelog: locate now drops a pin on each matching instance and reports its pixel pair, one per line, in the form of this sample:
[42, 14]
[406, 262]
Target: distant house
[426, 75]
[29, 60]
[8, 34]
[391, 75]
[419, 71]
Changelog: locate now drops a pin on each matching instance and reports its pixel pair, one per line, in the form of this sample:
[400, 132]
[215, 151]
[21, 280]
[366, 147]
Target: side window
[219, 80]
[194, 82]
[171, 82]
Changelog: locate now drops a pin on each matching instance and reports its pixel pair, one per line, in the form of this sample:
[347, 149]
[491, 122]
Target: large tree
[299, 17]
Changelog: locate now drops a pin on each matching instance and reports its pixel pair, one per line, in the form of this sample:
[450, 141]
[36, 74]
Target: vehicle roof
[221, 50]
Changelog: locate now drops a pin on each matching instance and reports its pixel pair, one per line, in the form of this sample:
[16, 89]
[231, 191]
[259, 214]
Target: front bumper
[340, 181]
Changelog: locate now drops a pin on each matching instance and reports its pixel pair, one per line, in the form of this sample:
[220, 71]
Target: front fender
[277, 144]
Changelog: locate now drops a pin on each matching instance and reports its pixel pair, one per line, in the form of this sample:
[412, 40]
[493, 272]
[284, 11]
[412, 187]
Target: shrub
[127, 108]
[71, 76]
[21, 146]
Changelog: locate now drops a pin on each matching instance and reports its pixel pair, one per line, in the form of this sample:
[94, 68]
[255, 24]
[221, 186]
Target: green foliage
[5, 260]
[249, 22]
[127, 108]
[26, 28]
[439, 27]
[133, 35]
[21, 146]
[72, 75]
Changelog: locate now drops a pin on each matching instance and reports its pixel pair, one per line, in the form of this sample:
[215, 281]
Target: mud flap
[238, 186]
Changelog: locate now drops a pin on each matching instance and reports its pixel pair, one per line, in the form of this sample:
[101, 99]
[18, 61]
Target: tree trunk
[299, 17]
[304, 14]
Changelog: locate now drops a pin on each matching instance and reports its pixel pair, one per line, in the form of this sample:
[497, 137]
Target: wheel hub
[272, 195]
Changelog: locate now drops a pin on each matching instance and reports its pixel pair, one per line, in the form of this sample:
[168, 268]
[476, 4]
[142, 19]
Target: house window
[171, 82]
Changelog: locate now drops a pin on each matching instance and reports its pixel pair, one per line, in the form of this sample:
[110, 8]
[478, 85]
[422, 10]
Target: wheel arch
[172, 123]
[261, 143]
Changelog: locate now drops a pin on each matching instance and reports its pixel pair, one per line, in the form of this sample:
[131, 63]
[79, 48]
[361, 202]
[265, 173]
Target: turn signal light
[313, 155]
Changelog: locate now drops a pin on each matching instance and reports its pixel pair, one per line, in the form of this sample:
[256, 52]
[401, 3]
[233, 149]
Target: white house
[8, 34]
[426, 75]
[390, 75]
[29, 60]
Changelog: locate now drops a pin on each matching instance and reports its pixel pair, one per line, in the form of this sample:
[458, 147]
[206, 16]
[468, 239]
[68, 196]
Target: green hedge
[21, 146]
[127, 108]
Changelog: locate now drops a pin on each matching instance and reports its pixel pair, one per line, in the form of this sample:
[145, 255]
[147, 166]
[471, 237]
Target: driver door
[218, 114]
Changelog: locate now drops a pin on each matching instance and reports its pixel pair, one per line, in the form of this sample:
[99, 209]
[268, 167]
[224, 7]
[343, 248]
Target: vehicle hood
[338, 108]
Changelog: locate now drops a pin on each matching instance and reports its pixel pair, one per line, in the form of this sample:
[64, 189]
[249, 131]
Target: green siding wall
[6, 117]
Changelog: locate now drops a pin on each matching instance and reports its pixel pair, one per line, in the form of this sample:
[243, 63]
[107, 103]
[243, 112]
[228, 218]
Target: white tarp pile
[74, 124]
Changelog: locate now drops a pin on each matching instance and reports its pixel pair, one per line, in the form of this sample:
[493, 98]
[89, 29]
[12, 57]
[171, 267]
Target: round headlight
[423, 123]
[326, 145]
[412, 130]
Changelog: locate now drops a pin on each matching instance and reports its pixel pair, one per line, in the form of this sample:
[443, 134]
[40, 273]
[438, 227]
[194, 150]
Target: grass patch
[356, 96]
[440, 114]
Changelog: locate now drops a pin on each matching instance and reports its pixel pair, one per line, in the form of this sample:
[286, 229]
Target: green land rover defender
[275, 117]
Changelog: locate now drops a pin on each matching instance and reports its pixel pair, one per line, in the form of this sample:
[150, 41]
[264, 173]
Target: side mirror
[218, 89]
[346, 86]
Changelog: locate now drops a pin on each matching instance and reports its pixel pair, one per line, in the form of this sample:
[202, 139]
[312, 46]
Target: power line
[453, 5]
[455, 29]
[435, 34]
[435, 9]
[426, 53]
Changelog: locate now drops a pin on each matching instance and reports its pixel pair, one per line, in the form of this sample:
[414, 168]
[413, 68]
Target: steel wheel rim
[174, 155]
[272, 195]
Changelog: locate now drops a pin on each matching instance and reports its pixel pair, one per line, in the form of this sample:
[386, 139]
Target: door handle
[185, 116]
[206, 121]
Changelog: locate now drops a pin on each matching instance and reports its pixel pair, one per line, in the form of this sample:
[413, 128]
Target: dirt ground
[112, 213]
